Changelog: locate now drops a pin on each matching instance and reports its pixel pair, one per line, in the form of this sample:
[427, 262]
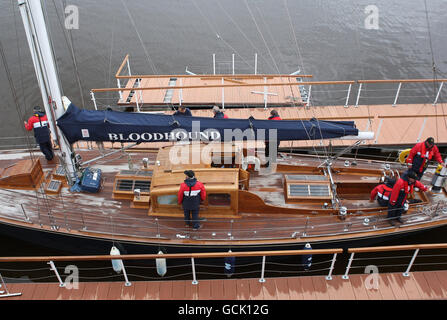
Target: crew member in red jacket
[274, 115]
[399, 194]
[218, 114]
[39, 123]
[383, 192]
[190, 194]
[420, 154]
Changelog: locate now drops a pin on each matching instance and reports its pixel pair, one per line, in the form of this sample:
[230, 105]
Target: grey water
[332, 40]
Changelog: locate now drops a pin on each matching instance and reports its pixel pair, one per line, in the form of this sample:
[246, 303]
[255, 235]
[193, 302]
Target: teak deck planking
[427, 285]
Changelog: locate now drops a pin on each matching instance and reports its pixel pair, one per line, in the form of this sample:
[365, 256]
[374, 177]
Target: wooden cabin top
[172, 161]
[213, 178]
[196, 156]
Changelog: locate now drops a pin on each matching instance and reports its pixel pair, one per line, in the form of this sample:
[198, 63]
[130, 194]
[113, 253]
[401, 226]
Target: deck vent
[144, 186]
[124, 185]
[131, 185]
[308, 190]
[60, 171]
[54, 185]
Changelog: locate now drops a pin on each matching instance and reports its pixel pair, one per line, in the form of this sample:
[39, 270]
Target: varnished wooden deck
[429, 285]
[86, 214]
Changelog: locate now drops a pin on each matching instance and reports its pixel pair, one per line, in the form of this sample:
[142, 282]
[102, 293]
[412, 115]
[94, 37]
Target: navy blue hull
[85, 245]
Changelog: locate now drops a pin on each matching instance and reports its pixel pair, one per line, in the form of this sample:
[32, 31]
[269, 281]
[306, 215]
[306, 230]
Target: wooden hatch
[127, 181]
[302, 187]
[25, 174]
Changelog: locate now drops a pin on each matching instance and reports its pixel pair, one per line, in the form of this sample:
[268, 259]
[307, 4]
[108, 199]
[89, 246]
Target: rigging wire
[359, 49]
[18, 109]
[112, 41]
[218, 35]
[434, 69]
[14, 94]
[69, 43]
[148, 58]
[277, 70]
[242, 32]
[294, 35]
[262, 36]
[326, 152]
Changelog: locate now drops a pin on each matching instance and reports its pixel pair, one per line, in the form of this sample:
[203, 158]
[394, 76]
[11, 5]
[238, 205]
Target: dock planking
[429, 285]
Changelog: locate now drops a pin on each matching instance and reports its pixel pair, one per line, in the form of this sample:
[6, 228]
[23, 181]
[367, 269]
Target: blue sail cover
[114, 126]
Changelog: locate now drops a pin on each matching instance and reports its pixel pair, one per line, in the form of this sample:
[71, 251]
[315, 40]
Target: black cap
[412, 175]
[189, 173]
[430, 140]
[37, 108]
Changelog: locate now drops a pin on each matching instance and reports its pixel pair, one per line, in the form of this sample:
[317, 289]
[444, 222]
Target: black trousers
[192, 216]
[382, 202]
[394, 212]
[47, 150]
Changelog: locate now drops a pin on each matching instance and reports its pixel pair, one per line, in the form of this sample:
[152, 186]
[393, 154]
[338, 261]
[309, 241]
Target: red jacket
[34, 121]
[401, 190]
[39, 122]
[190, 194]
[421, 151]
[274, 118]
[382, 191]
[220, 115]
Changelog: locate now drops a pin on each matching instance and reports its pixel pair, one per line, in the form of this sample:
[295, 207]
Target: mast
[47, 77]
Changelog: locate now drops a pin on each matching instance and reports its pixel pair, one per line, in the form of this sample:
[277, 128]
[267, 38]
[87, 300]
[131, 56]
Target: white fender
[161, 265]
[117, 264]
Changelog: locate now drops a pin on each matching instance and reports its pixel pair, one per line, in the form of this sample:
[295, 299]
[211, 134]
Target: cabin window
[219, 199]
[169, 199]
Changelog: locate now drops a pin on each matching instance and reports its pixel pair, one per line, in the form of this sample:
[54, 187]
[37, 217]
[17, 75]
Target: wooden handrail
[222, 254]
[224, 86]
[215, 76]
[399, 248]
[402, 80]
[122, 66]
[171, 255]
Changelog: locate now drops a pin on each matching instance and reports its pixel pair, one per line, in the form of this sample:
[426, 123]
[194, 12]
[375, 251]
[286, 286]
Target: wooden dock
[431, 285]
[401, 125]
[395, 124]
